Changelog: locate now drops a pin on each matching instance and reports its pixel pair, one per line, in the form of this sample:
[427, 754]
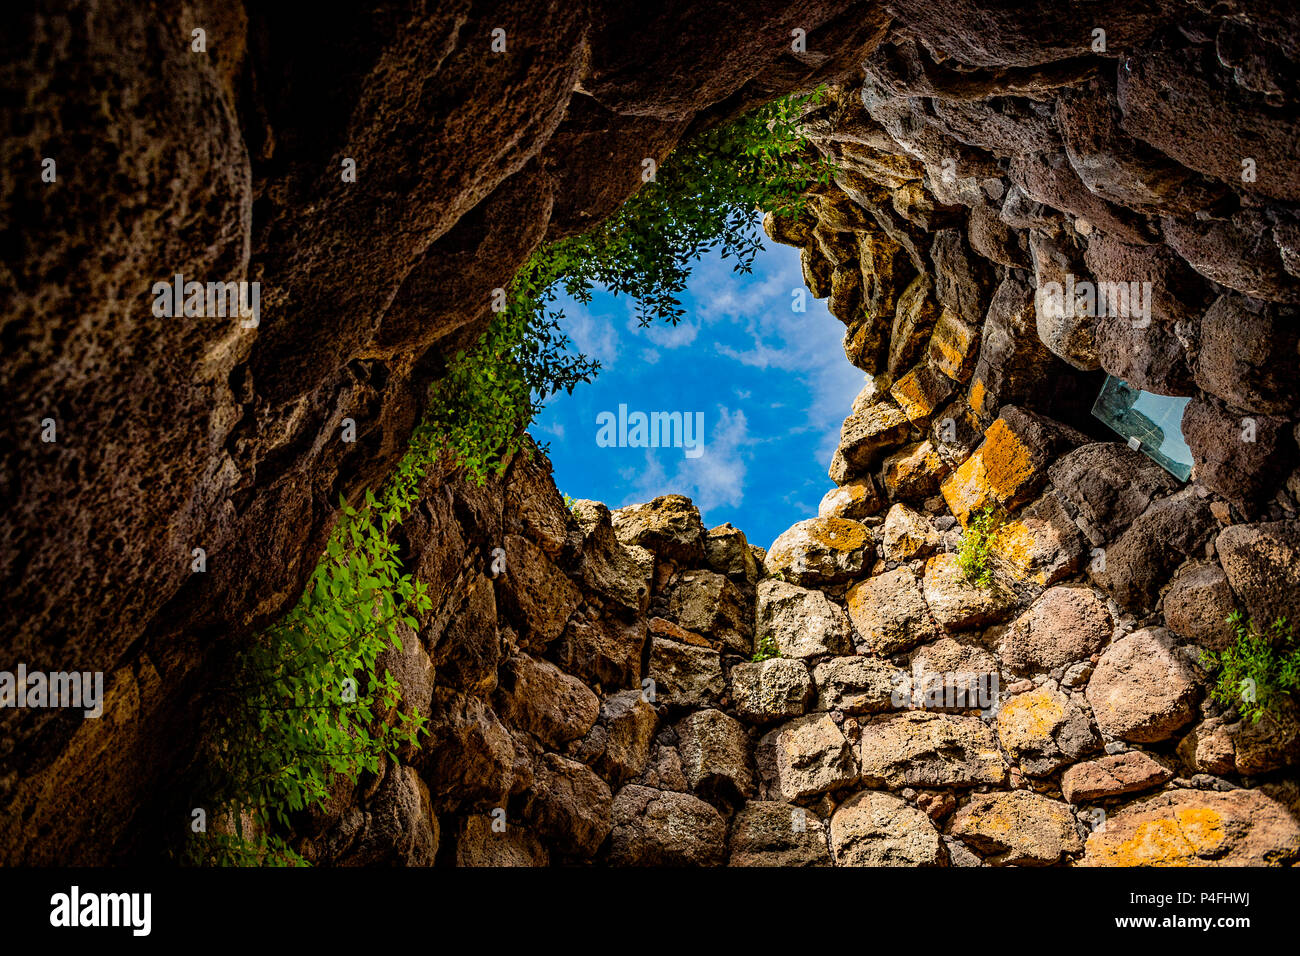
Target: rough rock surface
[802, 622]
[879, 829]
[1112, 776]
[930, 750]
[1143, 689]
[767, 833]
[775, 689]
[1197, 828]
[1044, 730]
[982, 151]
[1066, 624]
[806, 757]
[1018, 828]
[662, 828]
[821, 551]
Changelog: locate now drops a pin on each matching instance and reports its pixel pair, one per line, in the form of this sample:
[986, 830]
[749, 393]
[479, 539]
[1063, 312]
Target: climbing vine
[307, 706]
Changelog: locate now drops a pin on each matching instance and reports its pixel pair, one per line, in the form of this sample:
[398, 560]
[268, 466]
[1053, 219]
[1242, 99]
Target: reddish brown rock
[1197, 828]
[1143, 689]
[1112, 776]
[1066, 624]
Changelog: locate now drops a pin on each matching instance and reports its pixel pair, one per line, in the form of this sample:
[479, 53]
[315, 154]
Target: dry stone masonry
[600, 700]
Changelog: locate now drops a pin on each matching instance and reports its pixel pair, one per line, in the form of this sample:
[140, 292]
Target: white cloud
[716, 478]
[594, 335]
[661, 334]
[808, 345]
[554, 429]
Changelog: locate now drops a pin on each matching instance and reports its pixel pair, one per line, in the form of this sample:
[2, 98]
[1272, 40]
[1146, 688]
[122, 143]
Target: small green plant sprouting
[976, 544]
[571, 503]
[1259, 670]
[766, 649]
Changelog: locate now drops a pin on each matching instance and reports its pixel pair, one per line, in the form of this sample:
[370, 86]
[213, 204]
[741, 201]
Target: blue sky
[773, 386]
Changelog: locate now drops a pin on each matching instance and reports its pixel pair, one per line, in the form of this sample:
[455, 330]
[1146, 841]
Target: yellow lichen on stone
[966, 490]
[838, 534]
[1029, 717]
[996, 475]
[1193, 834]
[911, 397]
[976, 398]
[1008, 464]
[950, 346]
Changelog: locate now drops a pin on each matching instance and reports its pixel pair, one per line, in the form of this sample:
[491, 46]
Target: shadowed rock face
[226, 165]
[984, 150]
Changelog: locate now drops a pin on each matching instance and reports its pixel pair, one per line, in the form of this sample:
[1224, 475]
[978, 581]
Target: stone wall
[984, 155]
[985, 149]
[598, 700]
[227, 165]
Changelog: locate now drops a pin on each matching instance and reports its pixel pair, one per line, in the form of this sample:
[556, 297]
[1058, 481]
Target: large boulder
[889, 613]
[1067, 623]
[854, 499]
[568, 806]
[1013, 363]
[770, 833]
[605, 651]
[857, 685]
[821, 551]
[468, 754]
[870, 432]
[1010, 467]
[398, 827]
[956, 603]
[715, 754]
[1113, 776]
[913, 472]
[1197, 828]
[663, 828]
[920, 749]
[535, 595]
[907, 534]
[1243, 457]
[481, 841]
[806, 757]
[629, 723]
[537, 697]
[802, 622]
[1143, 689]
[1260, 561]
[1198, 603]
[1108, 484]
[1018, 828]
[1044, 730]
[1246, 747]
[1247, 356]
[879, 829]
[685, 675]
[1141, 562]
[1064, 326]
[618, 573]
[771, 690]
[1041, 544]
[710, 603]
[669, 525]
[728, 552]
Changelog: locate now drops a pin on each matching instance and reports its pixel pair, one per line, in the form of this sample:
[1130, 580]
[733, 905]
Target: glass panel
[1149, 422]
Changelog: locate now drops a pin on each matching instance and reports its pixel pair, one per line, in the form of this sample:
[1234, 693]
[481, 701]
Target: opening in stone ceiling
[1045, 233]
[756, 360]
